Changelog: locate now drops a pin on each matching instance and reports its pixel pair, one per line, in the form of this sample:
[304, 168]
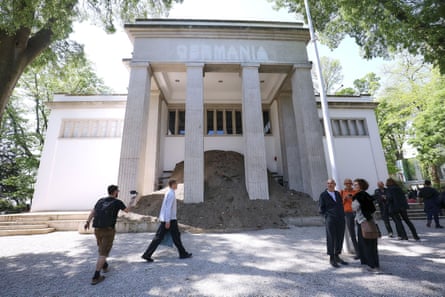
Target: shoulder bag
[369, 229]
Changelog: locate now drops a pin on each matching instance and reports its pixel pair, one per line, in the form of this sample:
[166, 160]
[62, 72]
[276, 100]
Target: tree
[368, 84]
[428, 131]
[62, 70]
[29, 27]
[332, 74]
[380, 27]
[399, 104]
[346, 92]
[18, 163]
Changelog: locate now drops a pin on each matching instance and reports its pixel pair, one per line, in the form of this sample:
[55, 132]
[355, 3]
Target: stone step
[45, 216]
[32, 231]
[16, 226]
[40, 223]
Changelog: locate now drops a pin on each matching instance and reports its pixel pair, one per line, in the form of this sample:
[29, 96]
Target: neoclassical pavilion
[212, 70]
[199, 85]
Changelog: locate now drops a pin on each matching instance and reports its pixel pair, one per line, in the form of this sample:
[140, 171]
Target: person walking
[169, 223]
[380, 197]
[350, 237]
[398, 205]
[104, 216]
[430, 198]
[364, 208]
[331, 207]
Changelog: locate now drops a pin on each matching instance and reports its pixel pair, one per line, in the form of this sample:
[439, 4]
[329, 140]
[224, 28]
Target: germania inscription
[202, 52]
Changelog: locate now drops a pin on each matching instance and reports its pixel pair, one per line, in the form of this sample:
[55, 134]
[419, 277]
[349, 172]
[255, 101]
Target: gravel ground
[272, 262]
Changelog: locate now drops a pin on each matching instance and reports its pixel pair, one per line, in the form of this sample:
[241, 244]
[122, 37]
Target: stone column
[132, 161]
[152, 150]
[194, 135]
[254, 145]
[289, 144]
[309, 132]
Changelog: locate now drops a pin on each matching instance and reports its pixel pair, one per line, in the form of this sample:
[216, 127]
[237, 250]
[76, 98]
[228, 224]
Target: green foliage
[62, 69]
[428, 131]
[332, 73]
[380, 27]
[412, 110]
[346, 92]
[29, 27]
[18, 162]
[368, 84]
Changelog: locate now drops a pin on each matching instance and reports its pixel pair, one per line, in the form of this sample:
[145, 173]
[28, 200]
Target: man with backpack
[105, 215]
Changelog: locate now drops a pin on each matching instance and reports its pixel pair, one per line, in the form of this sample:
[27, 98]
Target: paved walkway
[273, 262]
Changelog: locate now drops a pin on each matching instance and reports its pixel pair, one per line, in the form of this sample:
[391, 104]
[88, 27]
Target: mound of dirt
[226, 203]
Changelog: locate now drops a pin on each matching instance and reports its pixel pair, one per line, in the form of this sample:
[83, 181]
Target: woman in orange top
[346, 194]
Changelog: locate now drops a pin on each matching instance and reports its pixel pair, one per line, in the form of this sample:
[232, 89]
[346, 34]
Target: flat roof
[203, 23]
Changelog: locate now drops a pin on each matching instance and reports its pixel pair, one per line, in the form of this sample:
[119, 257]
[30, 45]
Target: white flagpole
[323, 100]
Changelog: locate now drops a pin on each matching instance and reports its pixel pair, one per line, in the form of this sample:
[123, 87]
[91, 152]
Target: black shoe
[96, 280]
[340, 260]
[356, 257]
[333, 263]
[148, 259]
[439, 227]
[428, 225]
[185, 256]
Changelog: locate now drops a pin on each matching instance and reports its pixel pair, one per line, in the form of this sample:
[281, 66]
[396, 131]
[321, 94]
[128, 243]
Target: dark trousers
[367, 250]
[384, 213]
[398, 217]
[335, 232]
[350, 224]
[160, 233]
[433, 213]
[399, 226]
[404, 215]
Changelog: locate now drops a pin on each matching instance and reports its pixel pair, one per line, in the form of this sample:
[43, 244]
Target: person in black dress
[363, 205]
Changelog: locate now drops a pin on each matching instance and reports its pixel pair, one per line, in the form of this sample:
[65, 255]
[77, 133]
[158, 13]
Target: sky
[106, 51]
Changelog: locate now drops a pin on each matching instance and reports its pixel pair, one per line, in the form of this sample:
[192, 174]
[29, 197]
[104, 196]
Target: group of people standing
[350, 207]
[347, 209]
[393, 205]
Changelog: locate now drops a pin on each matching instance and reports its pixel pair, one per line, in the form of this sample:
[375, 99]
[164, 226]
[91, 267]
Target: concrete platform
[274, 262]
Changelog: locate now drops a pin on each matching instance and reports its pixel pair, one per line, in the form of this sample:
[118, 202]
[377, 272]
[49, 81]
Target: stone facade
[202, 85]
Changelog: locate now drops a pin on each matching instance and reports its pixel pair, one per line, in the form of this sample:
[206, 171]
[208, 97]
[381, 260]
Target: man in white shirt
[169, 223]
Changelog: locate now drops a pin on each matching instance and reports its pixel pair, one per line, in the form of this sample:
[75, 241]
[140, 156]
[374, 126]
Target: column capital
[307, 65]
[197, 65]
[250, 65]
[139, 64]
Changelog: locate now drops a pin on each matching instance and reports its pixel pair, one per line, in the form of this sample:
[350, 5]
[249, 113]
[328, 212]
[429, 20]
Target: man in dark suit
[331, 207]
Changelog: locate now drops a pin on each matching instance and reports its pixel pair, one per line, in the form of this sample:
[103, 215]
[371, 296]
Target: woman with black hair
[363, 205]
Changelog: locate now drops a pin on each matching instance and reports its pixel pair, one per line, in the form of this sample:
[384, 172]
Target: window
[223, 122]
[218, 121]
[348, 127]
[85, 128]
[176, 122]
[266, 123]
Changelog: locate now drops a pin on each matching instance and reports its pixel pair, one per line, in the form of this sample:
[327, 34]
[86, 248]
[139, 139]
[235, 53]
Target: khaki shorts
[104, 238]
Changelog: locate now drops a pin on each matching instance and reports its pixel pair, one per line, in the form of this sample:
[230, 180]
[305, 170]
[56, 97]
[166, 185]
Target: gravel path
[273, 262]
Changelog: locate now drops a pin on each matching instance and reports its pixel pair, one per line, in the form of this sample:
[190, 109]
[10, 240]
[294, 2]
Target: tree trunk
[17, 51]
[435, 177]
